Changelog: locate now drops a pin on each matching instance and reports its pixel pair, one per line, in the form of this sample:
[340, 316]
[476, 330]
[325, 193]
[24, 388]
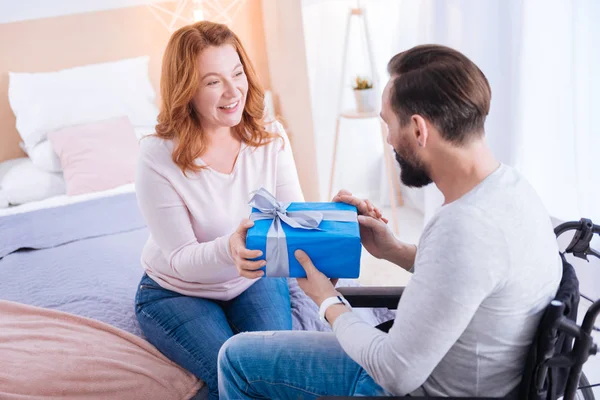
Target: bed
[65, 254]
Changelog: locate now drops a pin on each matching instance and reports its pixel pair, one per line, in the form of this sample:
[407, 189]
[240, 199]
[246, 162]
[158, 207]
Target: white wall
[285, 46]
[23, 10]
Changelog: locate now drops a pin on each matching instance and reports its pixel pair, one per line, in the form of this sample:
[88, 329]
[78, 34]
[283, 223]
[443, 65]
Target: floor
[375, 272]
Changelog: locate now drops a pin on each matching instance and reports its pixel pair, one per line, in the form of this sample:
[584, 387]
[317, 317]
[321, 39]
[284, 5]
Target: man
[486, 267]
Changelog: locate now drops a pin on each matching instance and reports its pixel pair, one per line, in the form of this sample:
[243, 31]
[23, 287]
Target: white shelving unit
[393, 184]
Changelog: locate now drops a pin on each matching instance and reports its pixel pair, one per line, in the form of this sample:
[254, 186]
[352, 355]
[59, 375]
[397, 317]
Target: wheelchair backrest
[548, 363]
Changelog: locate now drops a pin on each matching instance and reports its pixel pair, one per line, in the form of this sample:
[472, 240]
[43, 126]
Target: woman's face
[222, 87]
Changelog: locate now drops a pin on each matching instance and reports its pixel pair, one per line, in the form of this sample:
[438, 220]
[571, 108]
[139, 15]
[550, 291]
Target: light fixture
[176, 16]
[198, 11]
[221, 11]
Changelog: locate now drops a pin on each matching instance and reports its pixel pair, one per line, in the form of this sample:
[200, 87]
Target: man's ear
[420, 130]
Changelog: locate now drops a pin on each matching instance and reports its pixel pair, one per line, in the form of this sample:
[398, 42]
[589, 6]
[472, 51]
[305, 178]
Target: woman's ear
[420, 130]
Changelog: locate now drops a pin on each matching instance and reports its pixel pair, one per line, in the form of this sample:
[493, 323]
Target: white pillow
[43, 102]
[21, 182]
[43, 156]
[3, 200]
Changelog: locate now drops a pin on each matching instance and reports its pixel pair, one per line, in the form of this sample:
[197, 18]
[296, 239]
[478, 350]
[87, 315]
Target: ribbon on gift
[269, 208]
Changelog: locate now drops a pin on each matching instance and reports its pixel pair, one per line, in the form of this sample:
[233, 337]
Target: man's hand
[316, 285]
[377, 238]
[240, 254]
[364, 207]
[379, 241]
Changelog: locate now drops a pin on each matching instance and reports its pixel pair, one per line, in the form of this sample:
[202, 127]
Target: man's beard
[412, 173]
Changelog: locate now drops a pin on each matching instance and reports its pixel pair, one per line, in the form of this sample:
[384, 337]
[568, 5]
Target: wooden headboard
[51, 44]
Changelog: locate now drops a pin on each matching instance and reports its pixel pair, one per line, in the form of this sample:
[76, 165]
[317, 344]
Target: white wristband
[328, 302]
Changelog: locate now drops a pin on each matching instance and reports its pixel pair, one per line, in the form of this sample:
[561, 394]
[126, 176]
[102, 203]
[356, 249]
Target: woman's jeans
[191, 330]
[290, 365]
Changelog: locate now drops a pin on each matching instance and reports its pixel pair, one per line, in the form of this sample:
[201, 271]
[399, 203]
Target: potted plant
[364, 94]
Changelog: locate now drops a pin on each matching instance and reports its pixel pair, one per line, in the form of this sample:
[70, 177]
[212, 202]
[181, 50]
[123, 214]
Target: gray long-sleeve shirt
[486, 267]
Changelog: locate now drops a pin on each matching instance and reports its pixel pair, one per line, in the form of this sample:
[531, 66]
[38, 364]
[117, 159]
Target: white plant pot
[365, 100]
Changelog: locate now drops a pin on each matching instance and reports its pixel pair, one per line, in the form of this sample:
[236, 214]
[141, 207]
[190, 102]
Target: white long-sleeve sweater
[486, 267]
[190, 218]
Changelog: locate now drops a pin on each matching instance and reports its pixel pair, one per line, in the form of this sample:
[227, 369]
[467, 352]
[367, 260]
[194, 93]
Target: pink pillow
[96, 156]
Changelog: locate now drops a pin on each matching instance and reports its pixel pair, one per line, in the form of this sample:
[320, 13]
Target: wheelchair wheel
[585, 393]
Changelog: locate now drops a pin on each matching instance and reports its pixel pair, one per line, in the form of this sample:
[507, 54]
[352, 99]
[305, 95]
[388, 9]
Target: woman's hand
[240, 254]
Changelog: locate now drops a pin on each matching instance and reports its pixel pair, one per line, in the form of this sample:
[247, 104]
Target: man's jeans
[191, 330]
[290, 365]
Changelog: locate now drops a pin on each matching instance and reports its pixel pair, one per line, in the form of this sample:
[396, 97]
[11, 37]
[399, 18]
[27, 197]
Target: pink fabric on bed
[96, 156]
[51, 354]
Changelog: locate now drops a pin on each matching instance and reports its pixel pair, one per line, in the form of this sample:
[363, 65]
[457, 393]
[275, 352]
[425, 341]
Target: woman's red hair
[179, 82]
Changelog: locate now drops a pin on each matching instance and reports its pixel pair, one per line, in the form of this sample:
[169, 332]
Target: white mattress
[61, 200]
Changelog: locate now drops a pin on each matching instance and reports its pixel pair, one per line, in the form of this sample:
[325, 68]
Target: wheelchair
[554, 363]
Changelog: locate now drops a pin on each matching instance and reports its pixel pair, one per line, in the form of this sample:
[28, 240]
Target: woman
[194, 178]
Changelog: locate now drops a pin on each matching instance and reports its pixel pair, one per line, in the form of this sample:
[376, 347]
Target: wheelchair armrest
[372, 296]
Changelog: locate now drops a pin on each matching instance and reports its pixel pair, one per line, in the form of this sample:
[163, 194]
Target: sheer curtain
[559, 138]
[540, 57]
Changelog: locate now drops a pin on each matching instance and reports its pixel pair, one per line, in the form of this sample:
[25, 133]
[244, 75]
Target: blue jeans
[290, 365]
[191, 330]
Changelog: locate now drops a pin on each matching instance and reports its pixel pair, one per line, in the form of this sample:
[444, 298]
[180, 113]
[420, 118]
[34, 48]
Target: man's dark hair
[443, 86]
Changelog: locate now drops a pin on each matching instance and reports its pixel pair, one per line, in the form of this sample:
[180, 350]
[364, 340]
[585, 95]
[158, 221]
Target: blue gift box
[334, 247]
